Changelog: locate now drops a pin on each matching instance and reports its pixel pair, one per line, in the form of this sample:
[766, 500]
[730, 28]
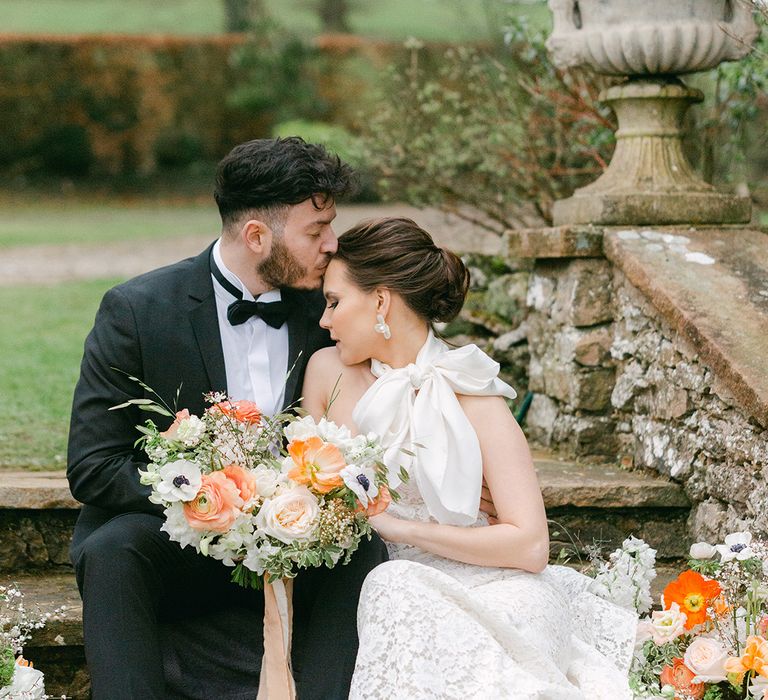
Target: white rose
[190, 431]
[180, 480]
[706, 658]
[27, 683]
[702, 550]
[290, 516]
[301, 429]
[667, 625]
[267, 481]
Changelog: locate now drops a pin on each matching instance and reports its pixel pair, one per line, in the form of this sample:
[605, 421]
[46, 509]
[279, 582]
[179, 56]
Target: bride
[467, 607]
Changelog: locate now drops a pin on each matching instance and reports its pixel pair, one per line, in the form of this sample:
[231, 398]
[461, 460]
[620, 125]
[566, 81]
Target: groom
[161, 621]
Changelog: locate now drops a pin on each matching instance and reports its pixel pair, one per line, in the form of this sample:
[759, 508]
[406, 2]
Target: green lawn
[388, 19]
[41, 344]
[71, 220]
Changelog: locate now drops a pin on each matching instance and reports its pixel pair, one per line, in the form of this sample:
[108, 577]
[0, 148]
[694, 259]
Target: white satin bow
[415, 407]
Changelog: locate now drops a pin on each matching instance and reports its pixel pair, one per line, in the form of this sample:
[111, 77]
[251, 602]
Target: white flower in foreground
[177, 526]
[267, 480]
[736, 547]
[190, 431]
[301, 429]
[758, 687]
[667, 625]
[180, 480]
[27, 684]
[706, 658]
[702, 550]
[361, 481]
[290, 516]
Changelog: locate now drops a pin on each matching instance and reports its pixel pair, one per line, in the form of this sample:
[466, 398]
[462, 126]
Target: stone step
[602, 504]
[587, 504]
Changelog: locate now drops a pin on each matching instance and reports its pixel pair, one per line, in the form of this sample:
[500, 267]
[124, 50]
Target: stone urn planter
[649, 180]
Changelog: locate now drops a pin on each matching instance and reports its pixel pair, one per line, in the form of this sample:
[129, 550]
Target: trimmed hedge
[130, 105]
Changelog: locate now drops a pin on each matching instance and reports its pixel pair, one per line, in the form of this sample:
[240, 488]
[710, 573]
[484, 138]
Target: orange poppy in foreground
[693, 593]
[317, 463]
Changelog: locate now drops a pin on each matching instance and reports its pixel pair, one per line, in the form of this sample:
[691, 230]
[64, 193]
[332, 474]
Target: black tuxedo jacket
[161, 327]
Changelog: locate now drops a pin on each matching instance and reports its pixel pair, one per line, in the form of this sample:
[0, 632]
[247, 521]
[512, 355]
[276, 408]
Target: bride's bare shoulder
[326, 362]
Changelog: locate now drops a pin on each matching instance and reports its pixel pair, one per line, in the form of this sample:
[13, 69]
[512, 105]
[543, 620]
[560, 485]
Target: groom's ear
[257, 236]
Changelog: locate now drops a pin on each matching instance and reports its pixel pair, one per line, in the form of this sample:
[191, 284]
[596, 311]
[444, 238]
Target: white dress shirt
[255, 354]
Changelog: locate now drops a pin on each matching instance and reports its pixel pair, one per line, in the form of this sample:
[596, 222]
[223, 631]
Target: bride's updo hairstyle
[401, 256]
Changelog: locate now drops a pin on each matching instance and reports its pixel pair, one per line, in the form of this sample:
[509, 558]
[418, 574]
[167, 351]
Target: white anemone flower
[361, 481]
[736, 547]
[180, 480]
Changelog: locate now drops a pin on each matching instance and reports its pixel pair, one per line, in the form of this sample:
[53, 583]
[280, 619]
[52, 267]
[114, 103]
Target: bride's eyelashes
[332, 305]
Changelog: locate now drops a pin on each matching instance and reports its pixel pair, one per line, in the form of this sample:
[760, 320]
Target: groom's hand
[486, 504]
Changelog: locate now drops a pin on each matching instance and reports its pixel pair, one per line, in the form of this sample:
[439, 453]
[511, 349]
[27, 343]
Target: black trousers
[161, 622]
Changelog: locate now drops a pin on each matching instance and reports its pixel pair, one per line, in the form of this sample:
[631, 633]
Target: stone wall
[614, 381]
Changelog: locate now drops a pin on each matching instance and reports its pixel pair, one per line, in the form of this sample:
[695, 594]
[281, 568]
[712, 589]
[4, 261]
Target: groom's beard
[281, 268]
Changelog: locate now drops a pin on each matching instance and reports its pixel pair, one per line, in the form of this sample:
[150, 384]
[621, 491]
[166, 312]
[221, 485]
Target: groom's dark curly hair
[269, 175]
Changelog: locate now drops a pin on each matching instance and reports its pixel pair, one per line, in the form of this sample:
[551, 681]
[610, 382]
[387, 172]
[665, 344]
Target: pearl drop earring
[382, 327]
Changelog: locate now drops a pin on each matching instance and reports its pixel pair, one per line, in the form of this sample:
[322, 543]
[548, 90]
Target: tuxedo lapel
[297, 344]
[205, 322]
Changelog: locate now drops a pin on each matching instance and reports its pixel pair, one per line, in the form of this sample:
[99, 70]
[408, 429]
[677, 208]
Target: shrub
[66, 150]
[494, 134]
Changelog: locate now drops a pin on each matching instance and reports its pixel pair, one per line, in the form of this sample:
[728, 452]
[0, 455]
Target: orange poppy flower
[317, 464]
[693, 593]
[754, 658]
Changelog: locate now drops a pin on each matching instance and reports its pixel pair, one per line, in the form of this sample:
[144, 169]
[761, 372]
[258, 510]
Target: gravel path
[51, 264]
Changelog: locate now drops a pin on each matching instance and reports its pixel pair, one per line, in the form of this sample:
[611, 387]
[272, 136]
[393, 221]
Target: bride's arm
[520, 539]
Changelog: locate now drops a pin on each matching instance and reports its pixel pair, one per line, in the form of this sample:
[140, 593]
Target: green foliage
[733, 140]
[501, 131]
[176, 147]
[275, 75]
[66, 150]
[334, 137]
[7, 666]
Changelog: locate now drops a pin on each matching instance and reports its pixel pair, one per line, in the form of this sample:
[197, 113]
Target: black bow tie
[273, 313]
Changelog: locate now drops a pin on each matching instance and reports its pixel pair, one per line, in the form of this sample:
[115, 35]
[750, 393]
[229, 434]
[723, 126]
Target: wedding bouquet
[18, 679]
[234, 492]
[710, 638]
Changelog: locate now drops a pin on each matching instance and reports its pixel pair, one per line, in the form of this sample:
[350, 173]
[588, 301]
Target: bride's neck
[406, 341]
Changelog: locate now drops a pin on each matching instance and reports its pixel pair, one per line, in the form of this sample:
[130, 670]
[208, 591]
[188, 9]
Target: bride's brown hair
[401, 256]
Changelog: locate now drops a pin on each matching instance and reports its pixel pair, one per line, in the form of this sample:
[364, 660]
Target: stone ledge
[711, 286]
[565, 483]
[557, 242]
[35, 490]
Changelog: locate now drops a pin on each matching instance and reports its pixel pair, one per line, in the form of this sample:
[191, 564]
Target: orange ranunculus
[754, 658]
[173, 428]
[243, 411]
[317, 463]
[680, 677]
[216, 504]
[380, 503]
[243, 479]
[693, 593]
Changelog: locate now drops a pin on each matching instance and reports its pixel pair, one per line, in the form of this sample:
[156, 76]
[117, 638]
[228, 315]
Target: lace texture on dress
[432, 627]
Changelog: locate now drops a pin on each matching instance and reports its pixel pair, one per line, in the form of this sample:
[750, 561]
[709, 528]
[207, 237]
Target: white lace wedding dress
[432, 627]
